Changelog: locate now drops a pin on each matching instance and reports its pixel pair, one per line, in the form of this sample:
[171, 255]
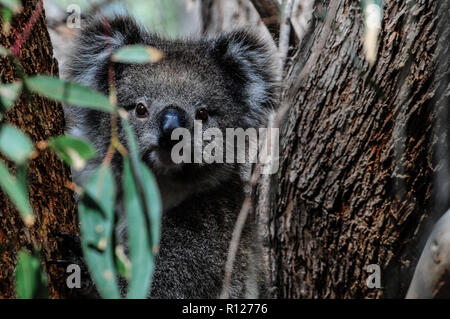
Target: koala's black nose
[170, 119]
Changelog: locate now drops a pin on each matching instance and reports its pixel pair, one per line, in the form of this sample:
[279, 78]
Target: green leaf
[3, 51]
[96, 214]
[137, 54]
[141, 256]
[8, 95]
[148, 186]
[15, 145]
[74, 151]
[14, 5]
[31, 281]
[143, 207]
[7, 15]
[70, 93]
[123, 264]
[152, 203]
[17, 192]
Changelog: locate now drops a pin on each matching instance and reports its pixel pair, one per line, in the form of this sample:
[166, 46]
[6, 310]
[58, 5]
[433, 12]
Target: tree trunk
[53, 203]
[358, 149]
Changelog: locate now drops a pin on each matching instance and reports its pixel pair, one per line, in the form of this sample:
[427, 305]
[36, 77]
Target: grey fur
[232, 75]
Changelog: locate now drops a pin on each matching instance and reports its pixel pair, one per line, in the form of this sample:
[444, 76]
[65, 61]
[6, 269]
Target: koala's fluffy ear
[250, 64]
[95, 44]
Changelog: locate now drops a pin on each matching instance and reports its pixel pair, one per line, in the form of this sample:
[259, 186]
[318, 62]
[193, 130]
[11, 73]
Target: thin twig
[237, 232]
[285, 33]
[301, 17]
[115, 143]
[269, 12]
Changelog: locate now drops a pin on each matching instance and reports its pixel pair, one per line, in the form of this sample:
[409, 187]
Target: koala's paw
[73, 255]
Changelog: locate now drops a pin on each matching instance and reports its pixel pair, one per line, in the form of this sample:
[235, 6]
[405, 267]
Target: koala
[224, 81]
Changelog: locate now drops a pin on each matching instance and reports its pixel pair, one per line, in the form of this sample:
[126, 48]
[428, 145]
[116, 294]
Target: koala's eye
[141, 110]
[202, 115]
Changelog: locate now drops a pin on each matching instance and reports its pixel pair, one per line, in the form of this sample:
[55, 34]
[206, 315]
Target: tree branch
[432, 275]
[285, 34]
[269, 11]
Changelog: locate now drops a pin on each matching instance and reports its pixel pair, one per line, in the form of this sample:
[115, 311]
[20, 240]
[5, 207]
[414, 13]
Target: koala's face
[186, 86]
[224, 82]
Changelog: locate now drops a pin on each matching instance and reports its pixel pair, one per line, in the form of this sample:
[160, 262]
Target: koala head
[227, 81]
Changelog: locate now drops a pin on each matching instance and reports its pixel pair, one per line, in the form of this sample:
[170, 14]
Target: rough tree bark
[358, 151]
[53, 204]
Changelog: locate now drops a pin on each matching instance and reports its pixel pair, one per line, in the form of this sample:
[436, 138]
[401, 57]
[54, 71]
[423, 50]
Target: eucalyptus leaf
[8, 95]
[96, 215]
[3, 51]
[137, 54]
[123, 264]
[148, 187]
[14, 5]
[143, 208]
[74, 151]
[17, 192]
[31, 281]
[7, 15]
[15, 145]
[141, 256]
[68, 92]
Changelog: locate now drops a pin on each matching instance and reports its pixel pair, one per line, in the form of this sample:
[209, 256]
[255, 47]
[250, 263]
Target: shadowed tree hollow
[53, 204]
